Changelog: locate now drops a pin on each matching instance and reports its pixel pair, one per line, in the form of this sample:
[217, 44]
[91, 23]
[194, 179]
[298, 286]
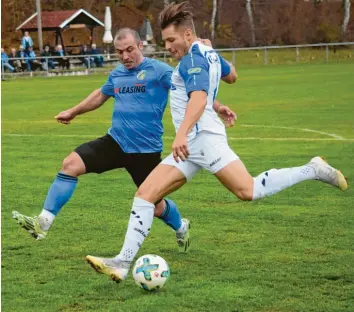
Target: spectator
[46, 60]
[63, 61]
[14, 63]
[5, 61]
[23, 59]
[31, 59]
[27, 41]
[88, 61]
[97, 58]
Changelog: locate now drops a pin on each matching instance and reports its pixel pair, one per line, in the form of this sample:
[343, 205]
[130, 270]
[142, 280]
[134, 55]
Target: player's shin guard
[139, 225]
[171, 216]
[273, 181]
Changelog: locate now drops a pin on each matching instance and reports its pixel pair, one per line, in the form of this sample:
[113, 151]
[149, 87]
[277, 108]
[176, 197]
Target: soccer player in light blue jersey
[140, 87]
[200, 142]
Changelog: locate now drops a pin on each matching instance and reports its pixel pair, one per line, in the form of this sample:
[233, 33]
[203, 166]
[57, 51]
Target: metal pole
[39, 25]
[327, 52]
[164, 57]
[234, 57]
[46, 60]
[265, 56]
[297, 55]
[2, 71]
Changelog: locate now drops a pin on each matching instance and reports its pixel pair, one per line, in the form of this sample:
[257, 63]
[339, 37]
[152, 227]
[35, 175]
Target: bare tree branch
[346, 16]
[213, 15]
[251, 21]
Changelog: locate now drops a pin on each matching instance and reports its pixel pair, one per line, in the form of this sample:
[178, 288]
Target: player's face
[129, 52]
[176, 41]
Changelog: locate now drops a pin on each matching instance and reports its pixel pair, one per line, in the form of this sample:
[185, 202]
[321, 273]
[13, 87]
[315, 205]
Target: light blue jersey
[140, 98]
[199, 70]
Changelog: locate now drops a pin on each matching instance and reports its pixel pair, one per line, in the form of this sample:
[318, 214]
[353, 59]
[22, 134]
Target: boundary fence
[231, 54]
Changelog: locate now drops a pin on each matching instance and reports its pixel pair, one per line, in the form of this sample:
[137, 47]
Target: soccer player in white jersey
[200, 141]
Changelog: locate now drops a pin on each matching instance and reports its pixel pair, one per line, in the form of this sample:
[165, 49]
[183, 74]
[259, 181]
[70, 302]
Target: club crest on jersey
[212, 57]
[141, 75]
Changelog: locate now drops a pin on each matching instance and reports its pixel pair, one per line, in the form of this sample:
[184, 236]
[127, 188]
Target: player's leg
[59, 193]
[86, 158]
[220, 160]
[163, 180]
[139, 167]
[170, 215]
[237, 179]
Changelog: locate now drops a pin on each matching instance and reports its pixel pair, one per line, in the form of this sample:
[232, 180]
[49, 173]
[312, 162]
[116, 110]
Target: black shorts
[104, 154]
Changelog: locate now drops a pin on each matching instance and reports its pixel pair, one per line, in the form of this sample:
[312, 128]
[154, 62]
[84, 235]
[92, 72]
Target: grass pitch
[290, 252]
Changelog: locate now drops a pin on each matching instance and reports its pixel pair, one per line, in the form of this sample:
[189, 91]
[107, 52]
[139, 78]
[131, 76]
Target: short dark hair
[177, 15]
[123, 32]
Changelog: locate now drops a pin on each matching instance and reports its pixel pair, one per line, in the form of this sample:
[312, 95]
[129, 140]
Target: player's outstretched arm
[92, 102]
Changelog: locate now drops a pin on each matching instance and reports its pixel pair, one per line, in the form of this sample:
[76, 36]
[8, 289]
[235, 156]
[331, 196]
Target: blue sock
[171, 215]
[60, 192]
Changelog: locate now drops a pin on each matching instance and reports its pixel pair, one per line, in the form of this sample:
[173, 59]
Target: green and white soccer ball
[151, 272]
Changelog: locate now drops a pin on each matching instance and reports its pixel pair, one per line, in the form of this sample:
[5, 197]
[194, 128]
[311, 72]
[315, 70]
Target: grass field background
[291, 252]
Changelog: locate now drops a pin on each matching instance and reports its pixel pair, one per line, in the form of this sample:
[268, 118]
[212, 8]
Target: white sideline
[338, 137]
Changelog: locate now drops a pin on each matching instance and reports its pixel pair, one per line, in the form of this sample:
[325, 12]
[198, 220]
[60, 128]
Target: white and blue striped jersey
[199, 70]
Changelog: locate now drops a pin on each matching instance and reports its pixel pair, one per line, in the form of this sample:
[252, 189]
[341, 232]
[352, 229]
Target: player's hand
[207, 42]
[65, 117]
[180, 148]
[227, 115]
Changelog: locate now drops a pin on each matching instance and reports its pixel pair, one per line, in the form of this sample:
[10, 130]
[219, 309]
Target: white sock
[273, 181]
[182, 229]
[45, 219]
[139, 225]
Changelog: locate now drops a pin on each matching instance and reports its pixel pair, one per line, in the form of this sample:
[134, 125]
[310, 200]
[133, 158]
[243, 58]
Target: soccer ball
[151, 272]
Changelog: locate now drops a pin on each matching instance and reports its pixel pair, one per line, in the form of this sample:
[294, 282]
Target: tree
[213, 16]
[346, 16]
[250, 19]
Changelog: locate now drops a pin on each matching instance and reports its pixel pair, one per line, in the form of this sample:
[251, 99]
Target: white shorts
[206, 151]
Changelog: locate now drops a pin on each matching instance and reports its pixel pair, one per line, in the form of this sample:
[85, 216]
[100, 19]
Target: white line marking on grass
[332, 135]
[172, 138]
[277, 139]
[51, 135]
[338, 137]
[291, 139]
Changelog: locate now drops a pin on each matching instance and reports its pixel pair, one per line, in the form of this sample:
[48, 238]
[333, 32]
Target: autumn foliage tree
[235, 23]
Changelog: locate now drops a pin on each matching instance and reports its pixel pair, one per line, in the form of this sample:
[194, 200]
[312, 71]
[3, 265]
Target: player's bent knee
[73, 165]
[147, 192]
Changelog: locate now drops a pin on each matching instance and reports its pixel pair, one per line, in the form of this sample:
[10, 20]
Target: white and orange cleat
[327, 173]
